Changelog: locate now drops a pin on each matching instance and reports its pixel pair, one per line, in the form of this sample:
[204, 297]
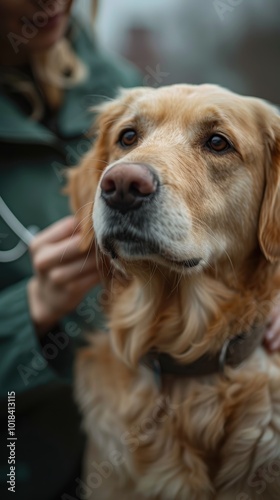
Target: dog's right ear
[83, 180]
[269, 223]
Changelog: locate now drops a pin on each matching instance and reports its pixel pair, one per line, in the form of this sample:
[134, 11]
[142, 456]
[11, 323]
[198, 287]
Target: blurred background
[235, 43]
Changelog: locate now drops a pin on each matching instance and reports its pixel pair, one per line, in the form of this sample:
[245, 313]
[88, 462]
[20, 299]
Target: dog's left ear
[269, 222]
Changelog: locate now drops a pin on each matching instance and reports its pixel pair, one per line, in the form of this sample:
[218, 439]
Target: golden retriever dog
[179, 399]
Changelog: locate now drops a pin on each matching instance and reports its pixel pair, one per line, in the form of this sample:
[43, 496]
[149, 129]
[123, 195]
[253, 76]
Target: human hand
[272, 335]
[63, 274]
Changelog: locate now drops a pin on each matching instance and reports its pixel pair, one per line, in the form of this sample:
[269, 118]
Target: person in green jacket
[51, 73]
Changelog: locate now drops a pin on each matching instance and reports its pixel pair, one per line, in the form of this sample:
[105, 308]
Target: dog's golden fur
[204, 438]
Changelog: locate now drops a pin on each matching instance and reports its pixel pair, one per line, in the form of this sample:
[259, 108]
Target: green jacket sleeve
[22, 365]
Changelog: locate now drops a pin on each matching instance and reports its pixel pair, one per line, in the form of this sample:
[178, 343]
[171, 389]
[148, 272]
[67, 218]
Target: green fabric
[31, 171]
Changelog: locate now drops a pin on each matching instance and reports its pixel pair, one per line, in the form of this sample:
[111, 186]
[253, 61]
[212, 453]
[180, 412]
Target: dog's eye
[218, 143]
[128, 138]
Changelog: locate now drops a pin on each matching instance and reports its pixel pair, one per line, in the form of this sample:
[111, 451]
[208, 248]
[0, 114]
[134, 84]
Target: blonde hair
[55, 70]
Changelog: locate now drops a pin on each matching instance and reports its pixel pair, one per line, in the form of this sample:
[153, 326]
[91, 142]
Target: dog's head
[182, 176]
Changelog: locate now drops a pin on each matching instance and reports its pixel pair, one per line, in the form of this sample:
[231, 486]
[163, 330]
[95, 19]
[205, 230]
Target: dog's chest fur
[193, 439]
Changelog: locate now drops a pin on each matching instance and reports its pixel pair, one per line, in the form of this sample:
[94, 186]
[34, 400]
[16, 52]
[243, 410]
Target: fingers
[57, 254]
[82, 267]
[56, 232]
[82, 285]
[63, 273]
[48, 304]
[71, 295]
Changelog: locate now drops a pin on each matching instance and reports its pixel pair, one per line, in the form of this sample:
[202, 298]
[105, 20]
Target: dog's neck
[190, 315]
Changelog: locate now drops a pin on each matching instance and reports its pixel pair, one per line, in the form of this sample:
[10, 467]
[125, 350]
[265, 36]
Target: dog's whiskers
[73, 233]
[88, 253]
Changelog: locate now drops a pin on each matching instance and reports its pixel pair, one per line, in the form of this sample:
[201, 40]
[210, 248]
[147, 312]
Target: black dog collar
[233, 352]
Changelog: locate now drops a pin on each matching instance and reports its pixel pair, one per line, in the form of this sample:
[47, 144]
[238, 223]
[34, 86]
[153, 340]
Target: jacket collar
[14, 126]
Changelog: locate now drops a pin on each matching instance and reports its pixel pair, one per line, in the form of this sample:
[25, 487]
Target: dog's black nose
[127, 185]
